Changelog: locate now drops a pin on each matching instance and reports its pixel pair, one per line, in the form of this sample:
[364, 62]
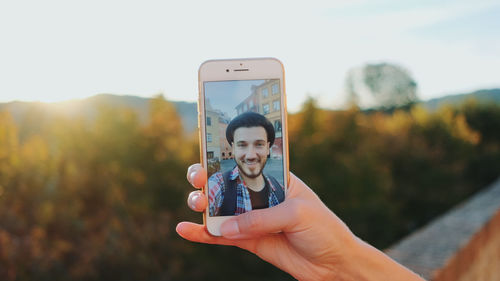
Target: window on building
[265, 108]
[245, 107]
[277, 126]
[250, 103]
[265, 92]
[209, 137]
[209, 121]
[223, 154]
[276, 105]
[210, 154]
[275, 89]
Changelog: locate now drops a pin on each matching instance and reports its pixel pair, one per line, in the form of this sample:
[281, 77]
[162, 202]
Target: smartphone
[243, 136]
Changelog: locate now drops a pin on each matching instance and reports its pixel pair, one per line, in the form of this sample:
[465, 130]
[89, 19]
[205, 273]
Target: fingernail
[229, 228]
[191, 177]
[194, 199]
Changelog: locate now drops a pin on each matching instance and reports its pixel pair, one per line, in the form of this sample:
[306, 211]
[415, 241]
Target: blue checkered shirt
[243, 203]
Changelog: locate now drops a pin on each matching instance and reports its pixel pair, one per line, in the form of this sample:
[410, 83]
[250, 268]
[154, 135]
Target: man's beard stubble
[241, 170]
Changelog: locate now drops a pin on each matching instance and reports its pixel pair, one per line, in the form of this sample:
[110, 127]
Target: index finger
[197, 175]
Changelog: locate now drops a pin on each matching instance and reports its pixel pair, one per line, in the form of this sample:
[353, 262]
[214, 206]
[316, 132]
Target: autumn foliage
[99, 198]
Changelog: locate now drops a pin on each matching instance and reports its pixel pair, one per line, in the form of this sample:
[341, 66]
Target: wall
[461, 245]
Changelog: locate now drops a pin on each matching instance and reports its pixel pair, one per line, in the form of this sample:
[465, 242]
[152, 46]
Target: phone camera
[227, 70]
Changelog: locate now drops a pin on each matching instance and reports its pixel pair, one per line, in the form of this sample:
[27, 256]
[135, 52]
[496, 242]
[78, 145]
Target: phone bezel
[239, 69]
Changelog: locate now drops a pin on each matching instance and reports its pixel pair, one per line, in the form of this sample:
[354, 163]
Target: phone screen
[244, 145]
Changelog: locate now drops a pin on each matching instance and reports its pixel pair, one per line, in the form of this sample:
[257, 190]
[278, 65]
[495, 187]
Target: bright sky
[57, 50]
[226, 95]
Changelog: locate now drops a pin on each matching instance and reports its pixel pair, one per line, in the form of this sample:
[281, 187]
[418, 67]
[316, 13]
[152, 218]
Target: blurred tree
[342, 166]
[484, 166]
[99, 198]
[9, 145]
[380, 85]
[395, 170]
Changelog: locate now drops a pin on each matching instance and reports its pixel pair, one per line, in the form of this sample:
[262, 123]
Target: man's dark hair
[248, 120]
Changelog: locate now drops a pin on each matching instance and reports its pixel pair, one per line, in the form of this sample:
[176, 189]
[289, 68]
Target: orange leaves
[99, 197]
[391, 163]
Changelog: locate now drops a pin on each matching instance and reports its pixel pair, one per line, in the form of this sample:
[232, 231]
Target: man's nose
[251, 152]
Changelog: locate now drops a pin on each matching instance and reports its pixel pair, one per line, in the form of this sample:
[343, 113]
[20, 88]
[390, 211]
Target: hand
[300, 236]
[302, 220]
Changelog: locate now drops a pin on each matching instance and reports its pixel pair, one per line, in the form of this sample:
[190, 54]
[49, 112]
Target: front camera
[227, 70]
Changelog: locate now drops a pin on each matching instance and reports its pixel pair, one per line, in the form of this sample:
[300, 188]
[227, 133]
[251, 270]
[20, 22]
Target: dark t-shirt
[260, 199]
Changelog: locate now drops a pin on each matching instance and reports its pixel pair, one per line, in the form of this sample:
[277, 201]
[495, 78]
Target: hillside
[482, 96]
[88, 108]
[187, 110]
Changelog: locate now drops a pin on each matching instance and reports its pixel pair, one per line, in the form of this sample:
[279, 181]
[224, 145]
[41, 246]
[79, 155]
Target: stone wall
[461, 245]
[479, 259]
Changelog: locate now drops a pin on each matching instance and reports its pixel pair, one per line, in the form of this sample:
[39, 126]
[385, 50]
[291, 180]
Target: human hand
[286, 235]
[300, 236]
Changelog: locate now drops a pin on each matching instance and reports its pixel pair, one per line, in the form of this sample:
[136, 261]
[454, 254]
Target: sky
[59, 50]
[226, 95]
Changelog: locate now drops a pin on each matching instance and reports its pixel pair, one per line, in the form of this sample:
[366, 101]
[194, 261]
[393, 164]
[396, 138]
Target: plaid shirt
[243, 204]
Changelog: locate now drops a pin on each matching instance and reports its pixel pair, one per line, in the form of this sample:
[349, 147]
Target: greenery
[380, 85]
[99, 198]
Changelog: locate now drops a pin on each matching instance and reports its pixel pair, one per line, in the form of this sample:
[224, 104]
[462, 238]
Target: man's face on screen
[250, 149]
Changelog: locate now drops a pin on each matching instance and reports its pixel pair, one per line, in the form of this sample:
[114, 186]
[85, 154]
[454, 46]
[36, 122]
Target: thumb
[258, 222]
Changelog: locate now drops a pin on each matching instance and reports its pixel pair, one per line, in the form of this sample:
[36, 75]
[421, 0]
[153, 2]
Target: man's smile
[250, 150]
[251, 162]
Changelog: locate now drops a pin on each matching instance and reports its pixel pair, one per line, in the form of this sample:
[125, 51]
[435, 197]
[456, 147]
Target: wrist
[364, 262]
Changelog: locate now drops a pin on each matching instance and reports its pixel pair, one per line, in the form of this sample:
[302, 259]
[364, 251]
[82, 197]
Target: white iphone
[243, 136]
